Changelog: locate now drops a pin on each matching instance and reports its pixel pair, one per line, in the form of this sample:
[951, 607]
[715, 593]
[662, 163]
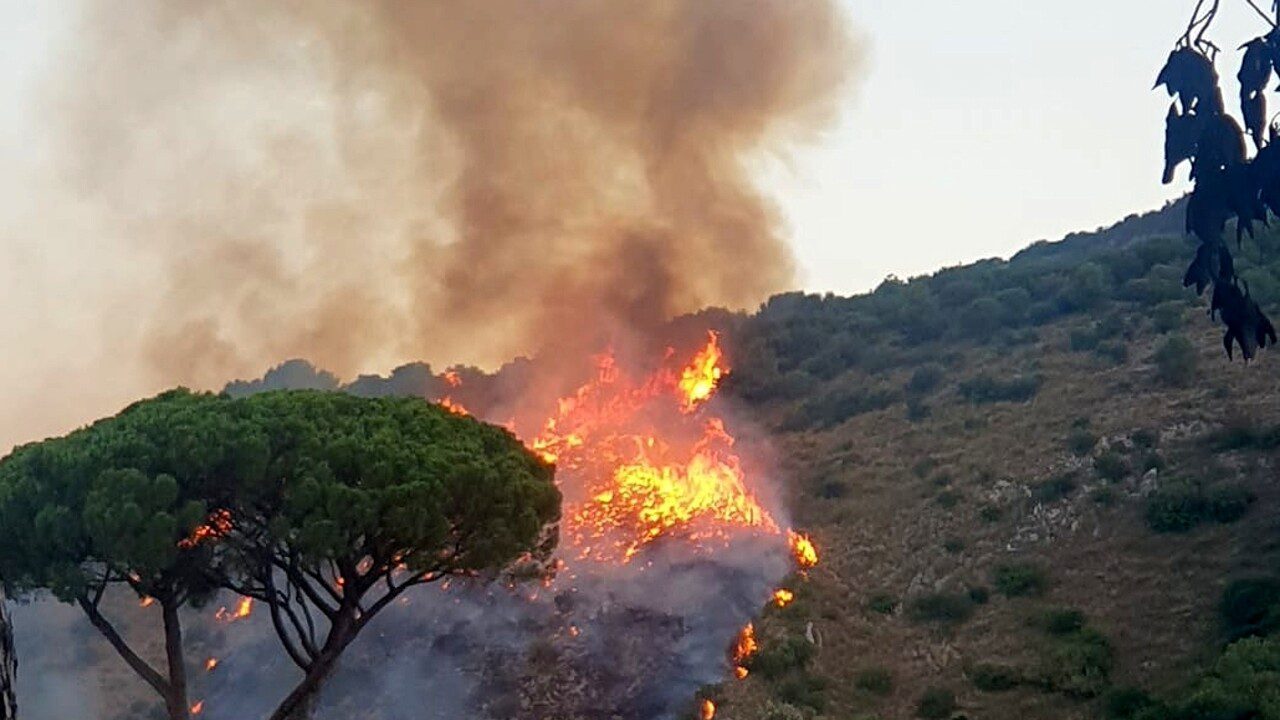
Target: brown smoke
[367, 182]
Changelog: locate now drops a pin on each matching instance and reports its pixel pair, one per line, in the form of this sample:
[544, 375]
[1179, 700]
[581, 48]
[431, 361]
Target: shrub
[925, 379]
[936, 704]
[1181, 507]
[986, 388]
[1241, 434]
[1113, 351]
[1176, 361]
[1250, 606]
[1081, 442]
[917, 409]
[882, 603]
[954, 546]
[804, 690]
[979, 595]
[1125, 703]
[1112, 466]
[942, 608]
[833, 408]
[1020, 579]
[875, 680]
[779, 658]
[990, 677]
[1152, 461]
[833, 489]
[1078, 664]
[1061, 621]
[1104, 496]
[783, 711]
[1167, 317]
[990, 513]
[1145, 438]
[1054, 489]
[1083, 340]
[948, 499]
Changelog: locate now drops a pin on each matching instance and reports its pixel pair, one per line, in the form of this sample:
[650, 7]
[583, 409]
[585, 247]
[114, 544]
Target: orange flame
[197, 708]
[783, 597]
[743, 648]
[243, 609]
[700, 379]
[218, 525]
[802, 548]
[146, 601]
[708, 710]
[210, 664]
[453, 406]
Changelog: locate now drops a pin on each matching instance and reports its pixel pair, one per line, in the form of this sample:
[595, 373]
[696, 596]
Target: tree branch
[140, 666]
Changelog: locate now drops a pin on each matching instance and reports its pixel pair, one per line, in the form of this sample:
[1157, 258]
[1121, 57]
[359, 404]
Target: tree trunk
[176, 699]
[300, 703]
[8, 666]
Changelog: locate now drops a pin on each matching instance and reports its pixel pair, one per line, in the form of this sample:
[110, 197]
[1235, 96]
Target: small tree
[324, 506]
[8, 665]
[1176, 361]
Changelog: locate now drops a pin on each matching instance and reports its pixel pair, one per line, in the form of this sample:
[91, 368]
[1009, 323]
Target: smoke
[222, 185]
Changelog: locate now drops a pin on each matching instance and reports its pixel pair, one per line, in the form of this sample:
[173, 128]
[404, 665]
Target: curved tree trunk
[8, 666]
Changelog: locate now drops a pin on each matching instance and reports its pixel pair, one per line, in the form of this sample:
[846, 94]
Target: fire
[197, 708]
[243, 609]
[210, 664]
[146, 601]
[217, 525]
[698, 381]
[453, 380]
[783, 597]
[802, 548]
[708, 710]
[743, 648]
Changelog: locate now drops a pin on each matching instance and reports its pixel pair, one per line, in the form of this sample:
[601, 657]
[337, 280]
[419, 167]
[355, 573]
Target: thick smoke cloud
[366, 183]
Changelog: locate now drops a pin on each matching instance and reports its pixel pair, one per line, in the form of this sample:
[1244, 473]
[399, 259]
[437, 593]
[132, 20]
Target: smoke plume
[365, 183]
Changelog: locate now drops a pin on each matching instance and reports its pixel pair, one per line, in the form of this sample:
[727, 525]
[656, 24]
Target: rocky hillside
[1041, 489]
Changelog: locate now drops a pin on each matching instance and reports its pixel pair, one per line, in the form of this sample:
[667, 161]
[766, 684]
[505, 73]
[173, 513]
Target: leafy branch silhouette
[1228, 183]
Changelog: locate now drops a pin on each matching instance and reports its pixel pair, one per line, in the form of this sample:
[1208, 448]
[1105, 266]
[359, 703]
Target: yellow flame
[802, 548]
[197, 708]
[699, 380]
[210, 664]
[708, 710]
[743, 648]
[783, 597]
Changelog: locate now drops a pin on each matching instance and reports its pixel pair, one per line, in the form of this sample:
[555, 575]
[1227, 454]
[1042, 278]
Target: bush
[875, 680]
[925, 379]
[990, 677]
[1113, 351]
[948, 499]
[1061, 621]
[1167, 317]
[1181, 507]
[1020, 579]
[953, 546]
[1241, 434]
[1176, 361]
[833, 489]
[1081, 442]
[1250, 606]
[779, 658]
[990, 513]
[1078, 664]
[1083, 340]
[936, 704]
[1054, 489]
[804, 690]
[1112, 466]
[833, 408]
[1125, 704]
[917, 410]
[882, 603]
[985, 389]
[942, 608]
[1145, 438]
[1104, 496]
[783, 711]
[979, 595]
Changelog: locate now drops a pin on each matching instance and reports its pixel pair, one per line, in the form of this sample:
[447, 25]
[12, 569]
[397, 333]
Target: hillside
[1032, 480]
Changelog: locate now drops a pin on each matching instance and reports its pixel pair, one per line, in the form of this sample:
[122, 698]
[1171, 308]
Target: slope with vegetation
[1041, 489]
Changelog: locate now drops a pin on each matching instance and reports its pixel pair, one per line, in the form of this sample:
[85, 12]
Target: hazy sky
[982, 126]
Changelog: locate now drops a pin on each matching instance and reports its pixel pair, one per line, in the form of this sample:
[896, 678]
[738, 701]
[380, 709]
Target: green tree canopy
[322, 505]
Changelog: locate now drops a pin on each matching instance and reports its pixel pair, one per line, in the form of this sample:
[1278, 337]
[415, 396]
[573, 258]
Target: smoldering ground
[208, 188]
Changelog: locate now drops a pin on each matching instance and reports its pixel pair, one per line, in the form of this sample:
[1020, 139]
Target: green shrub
[882, 603]
[1083, 340]
[990, 677]
[804, 690]
[1020, 579]
[1078, 664]
[1112, 466]
[1167, 317]
[875, 680]
[942, 608]
[1241, 434]
[1250, 606]
[1080, 441]
[954, 546]
[833, 489]
[925, 379]
[917, 410]
[1061, 621]
[1181, 507]
[1153, 461]
[1176, 361]
[783, 711]
[779, 658]
[936, 704]
[990, 513]
[830, 409]
[1145, 438]
[986, 388]
[979, 595]
[1113, 351]
[1125, 704]
[1054, 489]
[948, 499]
[1104, 496]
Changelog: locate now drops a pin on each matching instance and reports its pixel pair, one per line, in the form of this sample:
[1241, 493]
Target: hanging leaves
[1229, 185]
